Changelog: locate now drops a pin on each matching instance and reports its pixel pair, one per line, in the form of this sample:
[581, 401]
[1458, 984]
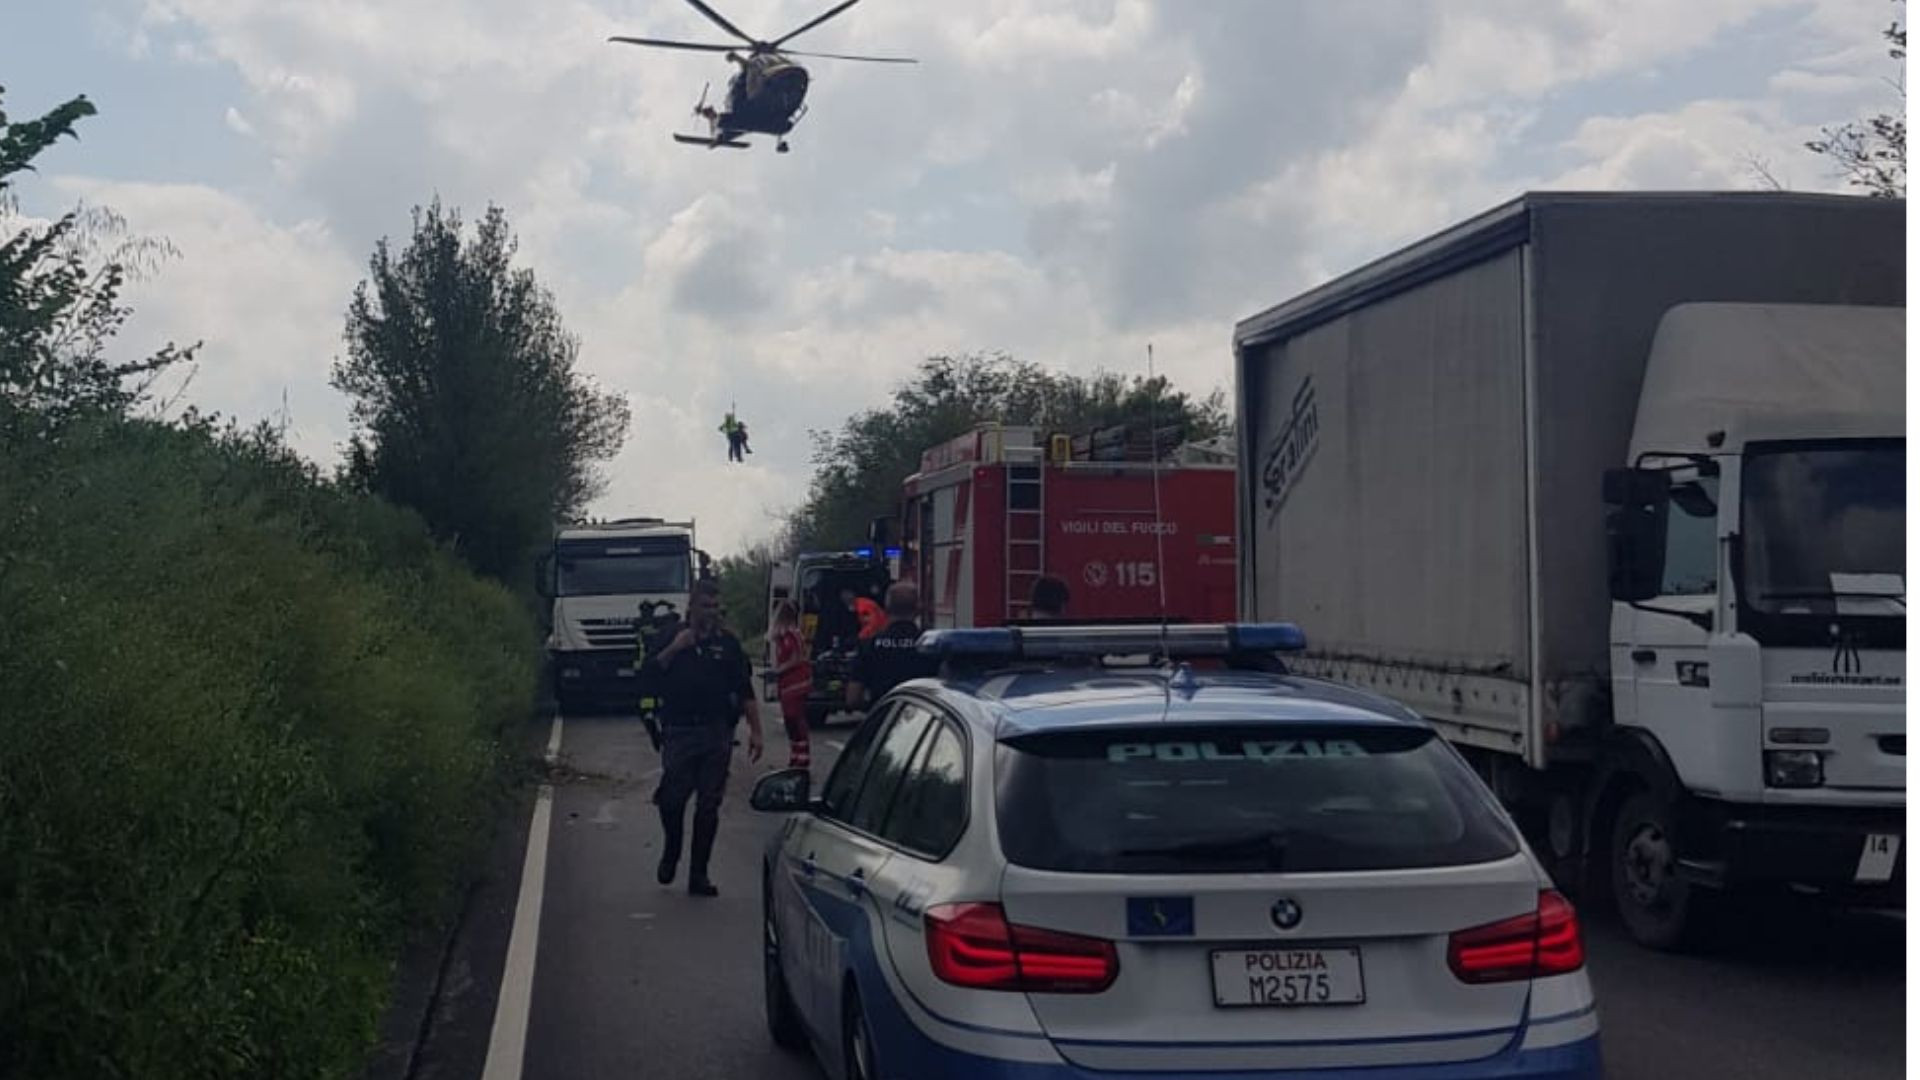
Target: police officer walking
[707, 685]
[892, 656]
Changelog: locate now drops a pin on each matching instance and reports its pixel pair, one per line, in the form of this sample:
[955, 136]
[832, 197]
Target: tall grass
[250, 730]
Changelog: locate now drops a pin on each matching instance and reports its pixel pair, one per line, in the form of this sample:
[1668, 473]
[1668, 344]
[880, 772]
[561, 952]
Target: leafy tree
[858, 470]
[60, 290]
[743, 586]
[1872, 153]
[466, 398]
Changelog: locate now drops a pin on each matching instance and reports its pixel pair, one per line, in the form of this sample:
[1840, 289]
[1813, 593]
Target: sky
[1064, 181]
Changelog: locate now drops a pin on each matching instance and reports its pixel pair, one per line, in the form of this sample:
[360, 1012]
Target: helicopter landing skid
[706, 141]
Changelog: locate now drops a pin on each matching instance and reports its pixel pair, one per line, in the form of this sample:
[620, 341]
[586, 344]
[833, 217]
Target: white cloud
[1706, 144]
[267, 301]
[238, 123]
[1801, 81]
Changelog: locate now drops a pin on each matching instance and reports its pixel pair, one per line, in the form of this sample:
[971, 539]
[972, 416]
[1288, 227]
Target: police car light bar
[1055, 642]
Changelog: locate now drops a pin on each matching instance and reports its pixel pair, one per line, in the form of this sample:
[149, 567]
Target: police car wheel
[859, 1054]
[783, 1020]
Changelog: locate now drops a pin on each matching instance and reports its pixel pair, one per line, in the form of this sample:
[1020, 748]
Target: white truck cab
[1759, 613]
[603, 578]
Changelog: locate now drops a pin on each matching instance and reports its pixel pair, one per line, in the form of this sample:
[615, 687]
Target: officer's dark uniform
[890, 658]
[704, 687]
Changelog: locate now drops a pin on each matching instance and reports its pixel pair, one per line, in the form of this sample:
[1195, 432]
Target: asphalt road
[632, 979]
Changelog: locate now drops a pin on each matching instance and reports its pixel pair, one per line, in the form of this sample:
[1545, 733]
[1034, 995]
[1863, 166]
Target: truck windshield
[611, 573]
[1823, 530]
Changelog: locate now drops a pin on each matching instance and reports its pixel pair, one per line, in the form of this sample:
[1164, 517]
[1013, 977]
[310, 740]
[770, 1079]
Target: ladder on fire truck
[1026, 530]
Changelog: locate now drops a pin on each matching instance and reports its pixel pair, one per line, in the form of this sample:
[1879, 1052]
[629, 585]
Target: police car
[1045, 865]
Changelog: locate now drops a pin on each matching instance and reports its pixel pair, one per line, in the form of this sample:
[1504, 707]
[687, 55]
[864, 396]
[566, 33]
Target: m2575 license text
[1287, 977]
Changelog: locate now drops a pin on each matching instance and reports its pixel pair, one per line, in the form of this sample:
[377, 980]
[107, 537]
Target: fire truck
[992, 511]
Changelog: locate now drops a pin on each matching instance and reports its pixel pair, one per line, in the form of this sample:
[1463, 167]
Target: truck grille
[609, 633]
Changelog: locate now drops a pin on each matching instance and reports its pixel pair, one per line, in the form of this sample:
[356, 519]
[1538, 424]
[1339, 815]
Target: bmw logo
[1286, 913]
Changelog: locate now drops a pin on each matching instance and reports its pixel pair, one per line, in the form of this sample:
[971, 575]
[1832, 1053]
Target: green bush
[251, 730]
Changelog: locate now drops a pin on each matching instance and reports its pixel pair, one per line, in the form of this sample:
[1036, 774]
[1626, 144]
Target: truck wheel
[1658, 906]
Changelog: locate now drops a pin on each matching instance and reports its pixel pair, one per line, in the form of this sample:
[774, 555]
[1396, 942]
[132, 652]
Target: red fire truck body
[992, 511]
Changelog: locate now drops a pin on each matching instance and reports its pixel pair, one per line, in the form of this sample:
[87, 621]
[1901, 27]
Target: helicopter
[768, 95]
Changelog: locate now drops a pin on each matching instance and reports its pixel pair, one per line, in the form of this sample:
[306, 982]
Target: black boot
[670, 849]
[704, 831]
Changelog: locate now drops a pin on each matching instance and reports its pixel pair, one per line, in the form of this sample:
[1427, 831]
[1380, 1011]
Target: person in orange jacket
[873, 617]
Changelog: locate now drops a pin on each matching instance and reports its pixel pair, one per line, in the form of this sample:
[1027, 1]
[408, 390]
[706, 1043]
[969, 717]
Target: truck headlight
[1794, 769]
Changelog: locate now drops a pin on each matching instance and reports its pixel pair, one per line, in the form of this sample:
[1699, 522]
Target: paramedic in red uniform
[793, 674]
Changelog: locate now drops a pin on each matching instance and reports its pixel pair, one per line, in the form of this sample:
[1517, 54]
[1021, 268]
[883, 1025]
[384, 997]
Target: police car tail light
[1544, 942]
[973, 945]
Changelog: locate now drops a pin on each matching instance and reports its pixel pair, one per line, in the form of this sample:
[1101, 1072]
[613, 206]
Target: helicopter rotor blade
[791, 34]
[843, 56]
[659, 44]
[721, 21]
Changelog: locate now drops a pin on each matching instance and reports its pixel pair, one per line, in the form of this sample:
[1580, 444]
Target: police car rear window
[1243, 798]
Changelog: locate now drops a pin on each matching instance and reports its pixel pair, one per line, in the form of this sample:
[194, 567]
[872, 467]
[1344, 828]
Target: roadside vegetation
[254, 718]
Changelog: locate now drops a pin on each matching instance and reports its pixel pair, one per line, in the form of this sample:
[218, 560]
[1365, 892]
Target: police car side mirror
[785, 792]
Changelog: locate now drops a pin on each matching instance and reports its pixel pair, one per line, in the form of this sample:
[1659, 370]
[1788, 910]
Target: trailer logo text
[1288, 454]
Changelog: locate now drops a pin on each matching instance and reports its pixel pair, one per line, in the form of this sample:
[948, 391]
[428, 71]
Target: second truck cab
[604, 578]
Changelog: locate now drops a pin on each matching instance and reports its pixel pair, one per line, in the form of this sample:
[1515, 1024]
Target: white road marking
[837, 744]
[507, 1047]
[553, 740]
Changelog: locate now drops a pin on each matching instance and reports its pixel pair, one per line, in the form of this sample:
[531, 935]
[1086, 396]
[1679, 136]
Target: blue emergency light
[1056, 642]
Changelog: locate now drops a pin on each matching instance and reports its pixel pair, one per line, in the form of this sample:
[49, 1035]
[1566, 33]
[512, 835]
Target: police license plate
[1283, 977]
[1877, 858]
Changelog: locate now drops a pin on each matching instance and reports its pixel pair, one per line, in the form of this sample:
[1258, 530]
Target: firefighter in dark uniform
[707, 684]
[658, 625]
[892, 656]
